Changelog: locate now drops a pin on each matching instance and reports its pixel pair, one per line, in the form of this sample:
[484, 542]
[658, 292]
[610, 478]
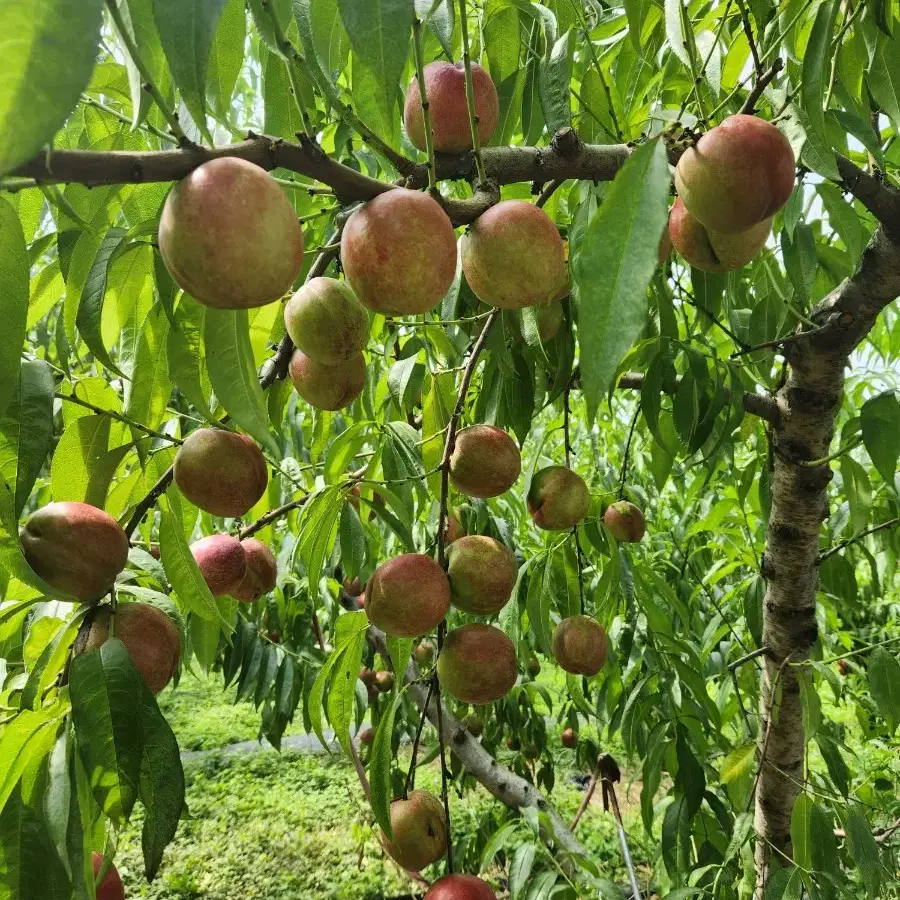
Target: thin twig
[410, 783]
[745, 22]
[548, 191]
[148, 83]
[890, 523]
[470, 93]
[71, 398]
[624, 472]
[610, 775]
[762, 651]
[445, 791]
[423, 96]
[773, 691]
[144, 126]
[452, 429]
[588, 794]
[749, 105]
[567, 440]
[777, 342]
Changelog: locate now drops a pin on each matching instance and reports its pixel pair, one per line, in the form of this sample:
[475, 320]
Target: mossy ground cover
[293, 826]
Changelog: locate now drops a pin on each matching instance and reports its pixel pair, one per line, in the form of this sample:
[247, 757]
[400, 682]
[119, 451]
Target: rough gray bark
[504, 784]
[808, 403]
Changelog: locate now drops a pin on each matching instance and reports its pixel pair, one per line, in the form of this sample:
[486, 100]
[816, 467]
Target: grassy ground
[288, 826]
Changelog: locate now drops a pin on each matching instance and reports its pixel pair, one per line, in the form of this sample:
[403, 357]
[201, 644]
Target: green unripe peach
[222, 563]
[408, 595]
[75, 547]
[229, 235]
[149, 635]
[558, 498]
[424, 653]
[482, 574]
[485, 461]
[474, 724]
[625, 521]
[419, 831]
[326, 321]
[398, 252]
[513, 256]
[384, 681]
[222, 472]
[579, 645]
[477, 663]
[445, 89]
[714, 251]
[262, 572]
[740, 173]
[326, 386]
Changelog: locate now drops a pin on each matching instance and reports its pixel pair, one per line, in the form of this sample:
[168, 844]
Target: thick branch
[878, 197]
[808, 402]
[504, 784]
[760, 405]
[566, 158]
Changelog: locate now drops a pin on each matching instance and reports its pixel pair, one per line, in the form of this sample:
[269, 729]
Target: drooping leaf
[48, 49]
[880, 420]
[613, 266]
[106, 692]
[14, 289]
[884, 681]
[186, 30]
[381, 761]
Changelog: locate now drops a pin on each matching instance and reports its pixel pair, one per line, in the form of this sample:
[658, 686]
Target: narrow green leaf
[232, 372]
[28, 738]
[556, 72]
[884, 682]
[353, 541]
[880, 420]
[14, 290]
[613, 266]
[106, 692]
[90, 307]
[817, 61]
[29, 866]
[863, 849]
[186, 30]
[316, 532]
[675, 30]
[147, 393]
[181, 569]
[226, 56]
[381, 762]
[161, 784]
[520, 869]
[48, 49]
[379, 33]
[185, 355]
[690, 777]
[883, 77]
[800, 831]
[26, 431]
[342, 689]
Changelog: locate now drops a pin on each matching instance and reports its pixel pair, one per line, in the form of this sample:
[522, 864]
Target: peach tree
[373, 355]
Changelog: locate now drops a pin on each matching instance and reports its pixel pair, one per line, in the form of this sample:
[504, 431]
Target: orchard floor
[295, 826]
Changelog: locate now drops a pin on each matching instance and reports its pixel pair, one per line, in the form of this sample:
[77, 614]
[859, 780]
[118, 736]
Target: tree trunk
[808, 402]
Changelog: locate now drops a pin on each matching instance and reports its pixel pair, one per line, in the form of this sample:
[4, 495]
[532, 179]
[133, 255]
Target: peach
[326, 321]
[579, 645]
[262, 572]
[398, 252]
[408, 595]
[482, 574]
[75, 547]
[222, 472]
[445, 89]
[149, 635]
[714, 251]
[740, 173]
[229, 235]
[326, 386]
[558, 498]
[419, 831]
[477, 663]
[222, 563]
[513, 256]
[485, 462]
[625, 521]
